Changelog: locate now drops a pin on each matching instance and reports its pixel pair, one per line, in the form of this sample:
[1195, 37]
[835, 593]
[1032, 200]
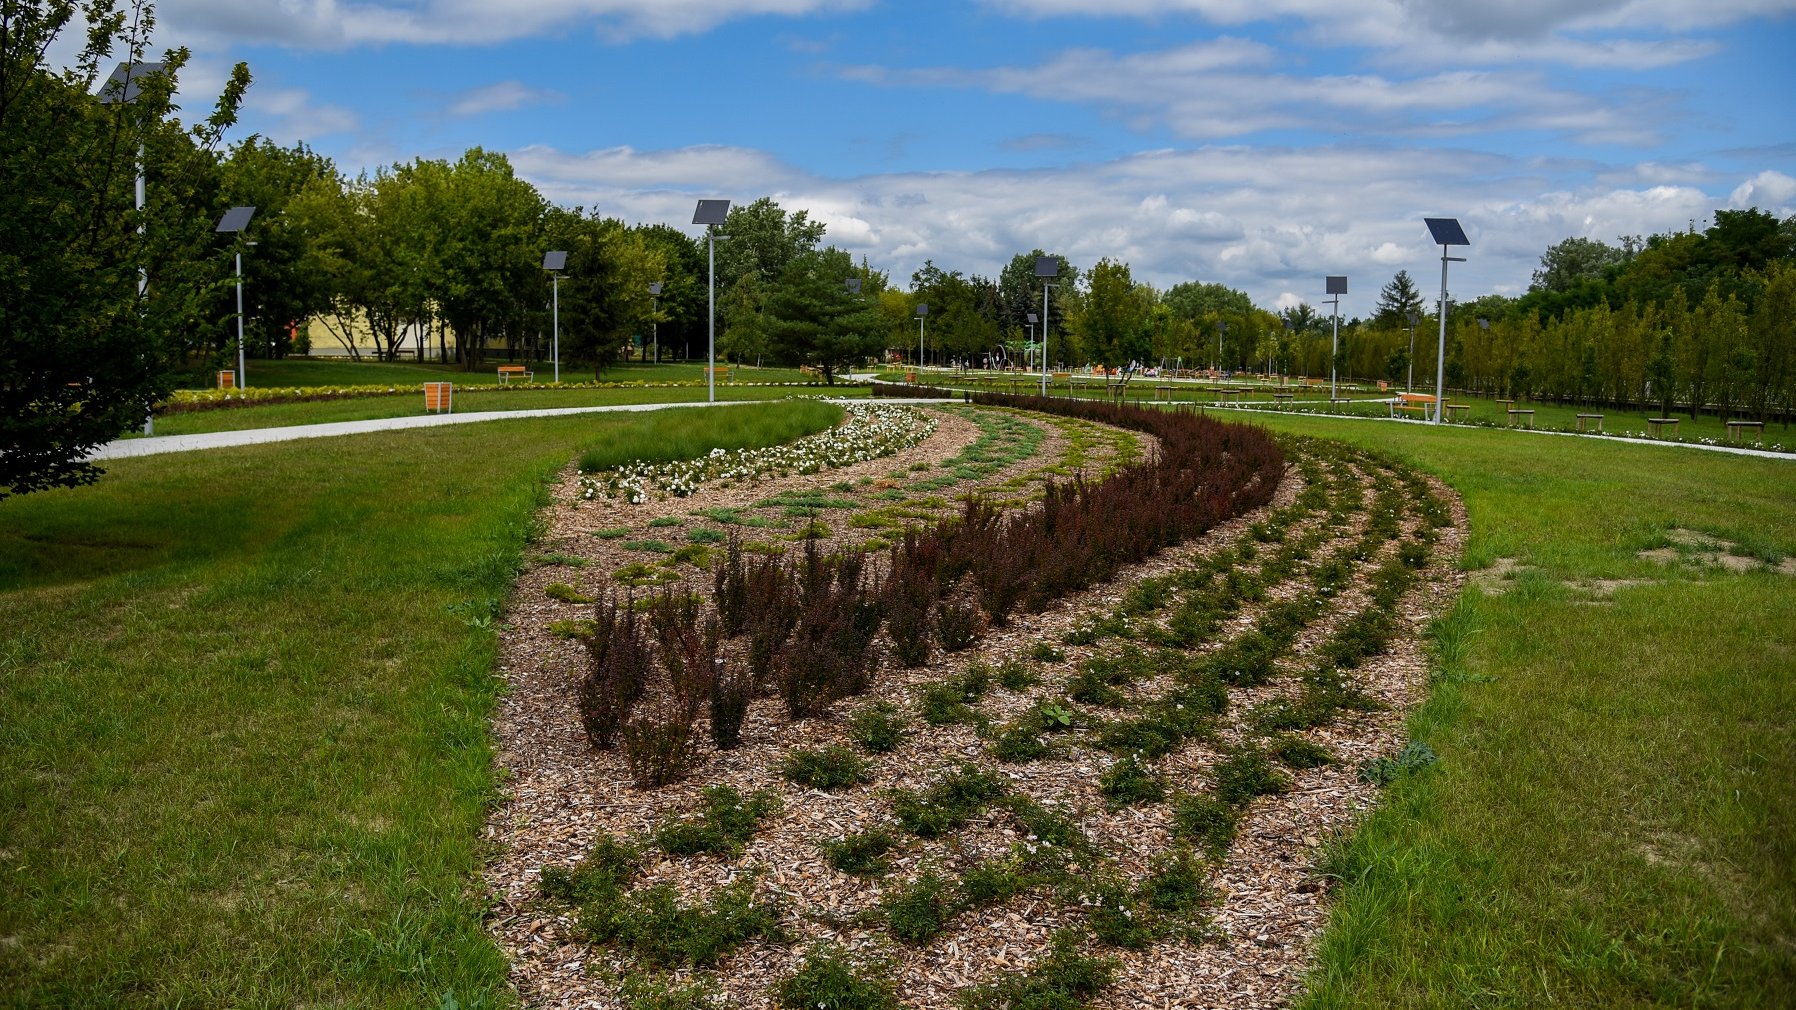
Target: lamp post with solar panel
[1446, 232]
[1410, 385]
[655, 318]
[234, 221]
[1336, 286]
[1046, 268]
[711, 214]
[555, 262]
[922, 314]
[122, 88]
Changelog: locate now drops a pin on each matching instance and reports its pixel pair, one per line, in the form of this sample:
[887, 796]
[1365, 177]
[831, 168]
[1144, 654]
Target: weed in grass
[833, 767]
[877, 728]
[829, 980]
[947, 804]
[725, 821]
[1296, 752]
[1387, 769]
[1206, 821]
[1131, 782]
[565, 593]
[1064, 980]
[653, 925]
[863, 854]
[920, 910]
[1244, 774]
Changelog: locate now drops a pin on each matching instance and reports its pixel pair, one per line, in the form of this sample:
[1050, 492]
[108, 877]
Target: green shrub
[565, 593]
[1176, 883]
[1016, 675]
[1047, 825]
[1064, 980]
[1296, 752]
[992, 882]
[877, 728]
[948, 804]
[1206, 821]
[612, 534]
[1020, 742]
[828, 980]
[726, 820]
[1111, 912]
[652, 546]
[578, 630]
[667, 521]
[1245, 774]
[833, 767]
[601, 875]
[643, 993]
[653, 925]
[863, 854]
[703, 535]
[697, 555]
[918, 911]
[1042, 652]
[1130, 782]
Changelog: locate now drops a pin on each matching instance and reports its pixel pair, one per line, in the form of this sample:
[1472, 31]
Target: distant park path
[158, 444]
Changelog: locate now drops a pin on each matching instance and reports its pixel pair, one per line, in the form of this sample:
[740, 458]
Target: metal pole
[1334, 351]
[711, 334]
[242, 379]
[1440, 358]
[655, 324]
[1410, 385]
[143, 272]
[919, 349]
[555, 285]
[1044, 338]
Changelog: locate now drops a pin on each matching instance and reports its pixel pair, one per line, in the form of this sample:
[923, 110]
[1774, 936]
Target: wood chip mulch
[560, 795]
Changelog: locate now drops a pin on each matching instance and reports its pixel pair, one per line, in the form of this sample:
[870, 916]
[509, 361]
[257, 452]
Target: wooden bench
[1457, 410]
[439, 397]
[1584, 419]
[1525, 415]
[510, 372]
[1418, 403]
[1737, 428]
[1286, 397]
[1163, 392]
[1655, 426]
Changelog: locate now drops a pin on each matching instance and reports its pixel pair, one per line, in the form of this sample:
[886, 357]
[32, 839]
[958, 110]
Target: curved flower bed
[868, 432]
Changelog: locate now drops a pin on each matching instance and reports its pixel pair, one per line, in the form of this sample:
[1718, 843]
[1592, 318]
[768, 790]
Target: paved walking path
[157, 444]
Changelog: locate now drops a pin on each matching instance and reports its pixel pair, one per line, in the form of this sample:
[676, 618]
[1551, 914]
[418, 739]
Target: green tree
[605, 299]
[812, 319]
[1397, 300]
[84, 356]
[284, 282]
[1573, 262]
[1113, 322]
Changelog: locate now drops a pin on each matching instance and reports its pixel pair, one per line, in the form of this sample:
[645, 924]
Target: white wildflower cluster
[868, 432]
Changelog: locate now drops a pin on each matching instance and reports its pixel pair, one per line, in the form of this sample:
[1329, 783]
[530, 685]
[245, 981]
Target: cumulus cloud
[331, 24]
[1272, 222]
[291, 115]
[1769, 191]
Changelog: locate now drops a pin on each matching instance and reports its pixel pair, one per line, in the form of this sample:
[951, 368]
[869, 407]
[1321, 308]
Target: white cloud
[501, 97]
[331, 24]
[1774, 192]
[288, 115]
[1269, 221]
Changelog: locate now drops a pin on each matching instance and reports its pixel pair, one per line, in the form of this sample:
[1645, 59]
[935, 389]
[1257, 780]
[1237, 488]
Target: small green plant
[558, 558]
[1046, 826]
[918, 911]
[829, 980]
[665, 521]
[638, 573]
[1206, 821]
[1130, 782]
[578, 630]
[1384, 770]
[702, 535]
[1114, 919]
[653, 925]
[877, 728]
[601, 875]
[641, 992]
[726, 820]
[1016, 675]
[612, 534]
[1064, 980]
[948, 804]
[863, 854]
[1245, 774]
[1020, 742]
[949, 701]
[1295, 752]
[1042, 652]
[1176, 883]
[565, 593]
[651, 546]
[833, 767]
[697, 555]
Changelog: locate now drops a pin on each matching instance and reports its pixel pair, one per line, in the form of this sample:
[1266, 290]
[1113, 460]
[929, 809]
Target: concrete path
[156, 445]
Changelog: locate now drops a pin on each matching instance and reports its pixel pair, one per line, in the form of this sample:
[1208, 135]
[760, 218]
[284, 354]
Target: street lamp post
[1222, 327]
[1446, 232]
[234, 221]
[711, 214]
[922, 314]
[1336, 286]
[655, 318]
[555, 262]
[1410, 385]
[1045, 268]
[122, 88]
[1032, 321]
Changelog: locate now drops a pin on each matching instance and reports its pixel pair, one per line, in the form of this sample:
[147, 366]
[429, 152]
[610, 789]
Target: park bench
[1736, 429]
[439, 396]
[1521, 415]
[1163, 392]
[1417, 403]
[510, 372]
[1283, 397]
[1655, 426]
[1457, 410]
[1585, 419]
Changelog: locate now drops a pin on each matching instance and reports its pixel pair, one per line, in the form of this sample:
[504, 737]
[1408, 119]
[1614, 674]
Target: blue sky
[1260, 143]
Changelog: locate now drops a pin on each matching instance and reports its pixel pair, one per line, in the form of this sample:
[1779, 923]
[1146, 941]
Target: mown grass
[244, 699]
[411, 404]
[321, 372]
[1613, 818]
[664, 436]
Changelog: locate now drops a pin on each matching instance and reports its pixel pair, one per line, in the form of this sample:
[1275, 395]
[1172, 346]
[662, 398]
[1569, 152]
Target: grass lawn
[244, 698]
[1613, 819]
[324, 372]
[275, 415]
